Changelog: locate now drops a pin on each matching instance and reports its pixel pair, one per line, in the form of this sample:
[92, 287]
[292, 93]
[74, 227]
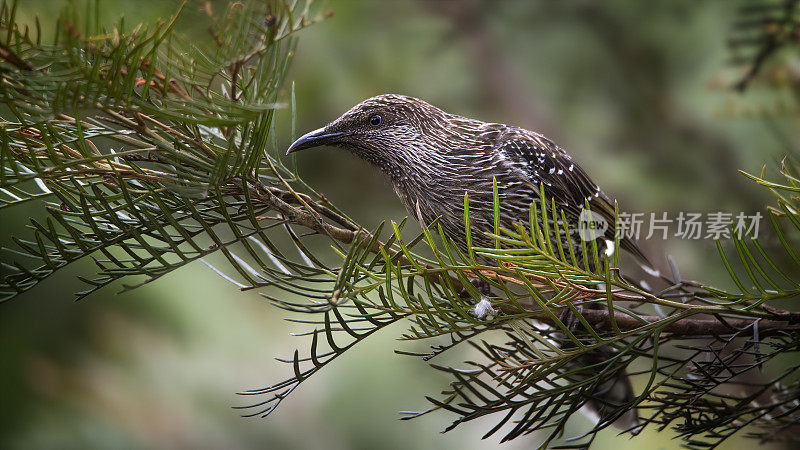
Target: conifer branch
[146, 153]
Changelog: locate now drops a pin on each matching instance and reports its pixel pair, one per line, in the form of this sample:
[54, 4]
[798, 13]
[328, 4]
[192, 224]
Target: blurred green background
[635, 91]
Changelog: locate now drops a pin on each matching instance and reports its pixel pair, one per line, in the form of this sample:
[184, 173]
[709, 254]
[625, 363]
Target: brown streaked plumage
[433, 157]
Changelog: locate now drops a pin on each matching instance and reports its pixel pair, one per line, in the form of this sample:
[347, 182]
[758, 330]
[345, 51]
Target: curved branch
[695, 327]
[599, 319]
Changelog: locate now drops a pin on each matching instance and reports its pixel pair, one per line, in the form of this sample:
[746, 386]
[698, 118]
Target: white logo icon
[591, 226]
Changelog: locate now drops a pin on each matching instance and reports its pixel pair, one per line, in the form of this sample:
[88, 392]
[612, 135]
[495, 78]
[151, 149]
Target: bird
[433, 158]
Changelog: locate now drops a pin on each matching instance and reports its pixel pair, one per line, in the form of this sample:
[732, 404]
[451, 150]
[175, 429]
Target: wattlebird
[433, 158]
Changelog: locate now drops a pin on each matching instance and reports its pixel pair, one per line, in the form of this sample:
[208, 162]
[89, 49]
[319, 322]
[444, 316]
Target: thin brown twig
[692, 326]
[7, 54]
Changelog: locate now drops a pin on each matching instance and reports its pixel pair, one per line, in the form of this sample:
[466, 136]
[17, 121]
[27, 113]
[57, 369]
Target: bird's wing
[543, 162]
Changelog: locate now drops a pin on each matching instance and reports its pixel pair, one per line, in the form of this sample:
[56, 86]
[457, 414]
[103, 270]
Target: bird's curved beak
[314, 139]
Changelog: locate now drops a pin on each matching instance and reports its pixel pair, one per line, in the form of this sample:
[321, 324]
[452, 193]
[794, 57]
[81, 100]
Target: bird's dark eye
[375, 120]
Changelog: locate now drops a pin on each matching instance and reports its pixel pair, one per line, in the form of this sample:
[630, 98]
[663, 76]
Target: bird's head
[388, 130]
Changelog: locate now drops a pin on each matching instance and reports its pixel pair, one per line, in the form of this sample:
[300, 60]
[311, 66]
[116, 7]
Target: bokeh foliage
[233, 156]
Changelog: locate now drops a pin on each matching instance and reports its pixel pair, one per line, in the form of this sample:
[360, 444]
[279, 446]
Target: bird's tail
[613, 397]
